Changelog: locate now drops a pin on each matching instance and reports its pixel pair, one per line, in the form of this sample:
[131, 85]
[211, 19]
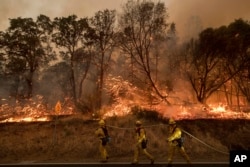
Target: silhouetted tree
[216, 57]
[101, 36]
[142, 24]
[69, 36]
[238, 55]
[25, 45]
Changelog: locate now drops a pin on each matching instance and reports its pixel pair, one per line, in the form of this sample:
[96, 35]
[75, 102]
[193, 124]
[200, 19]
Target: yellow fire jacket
[176, 134]
[140, 135]
[99, 132]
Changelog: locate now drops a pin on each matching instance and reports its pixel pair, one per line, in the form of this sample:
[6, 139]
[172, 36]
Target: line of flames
[33, 111]
[215, 111]
[123, 108]
[125, 96]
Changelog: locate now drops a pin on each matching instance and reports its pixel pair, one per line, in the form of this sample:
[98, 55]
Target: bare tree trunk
[237, 97]
[100, 88]
[226, 94]
[73, 84]
[82, 80]
[29, 81]
[231, 94]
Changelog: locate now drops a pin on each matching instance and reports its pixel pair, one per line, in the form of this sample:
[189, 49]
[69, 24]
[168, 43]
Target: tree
[69, 34]
[204, 68]
[55, 82]
[101, 36]
[24, 44]
[238, 55]
[83, 60]
[2, 54]
[142, 24]
[215, 58]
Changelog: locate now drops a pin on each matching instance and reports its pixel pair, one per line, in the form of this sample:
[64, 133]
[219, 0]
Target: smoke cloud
[54, 8]
[190, 16]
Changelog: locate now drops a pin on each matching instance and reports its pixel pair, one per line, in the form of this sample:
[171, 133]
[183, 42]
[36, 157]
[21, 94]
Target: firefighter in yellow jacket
[103, 136]
[141, 144]
[175, 142]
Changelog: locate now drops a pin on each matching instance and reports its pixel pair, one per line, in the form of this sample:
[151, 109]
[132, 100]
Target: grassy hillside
[72, 139]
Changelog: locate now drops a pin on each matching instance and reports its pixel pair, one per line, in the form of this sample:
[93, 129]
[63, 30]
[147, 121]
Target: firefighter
[141, 143]
[102, 133]
[175, 141]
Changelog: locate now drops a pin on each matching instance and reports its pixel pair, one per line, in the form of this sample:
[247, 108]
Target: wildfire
[221, 111]
[125, 96]
[32, 111]
[27, 119]
[215, 109]
[184, 113]
[118, 110]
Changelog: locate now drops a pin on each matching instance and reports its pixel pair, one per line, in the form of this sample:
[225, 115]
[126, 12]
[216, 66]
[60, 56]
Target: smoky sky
[190, 16]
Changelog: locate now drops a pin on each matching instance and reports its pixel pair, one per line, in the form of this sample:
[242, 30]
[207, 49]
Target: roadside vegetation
[73, 139]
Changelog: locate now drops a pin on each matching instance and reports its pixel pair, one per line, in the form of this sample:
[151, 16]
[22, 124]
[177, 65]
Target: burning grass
[126, 99]
[33, 131]
[33, 110]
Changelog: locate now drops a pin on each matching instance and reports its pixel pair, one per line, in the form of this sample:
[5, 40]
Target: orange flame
[32, 111]
[125, 96]
[58, 107]
[133, 96]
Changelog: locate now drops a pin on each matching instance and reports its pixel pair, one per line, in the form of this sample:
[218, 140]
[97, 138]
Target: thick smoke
[55, 8]
[189, 15]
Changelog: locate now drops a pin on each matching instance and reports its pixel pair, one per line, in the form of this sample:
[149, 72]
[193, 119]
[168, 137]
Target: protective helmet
[101, 122]
[171, 121]
[138, 122]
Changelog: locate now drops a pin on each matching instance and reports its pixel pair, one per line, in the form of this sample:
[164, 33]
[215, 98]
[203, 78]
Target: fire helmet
[171, 121]
[101, 122]
[138, 122]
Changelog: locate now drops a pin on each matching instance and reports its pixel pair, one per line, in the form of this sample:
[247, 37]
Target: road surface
[117, 164]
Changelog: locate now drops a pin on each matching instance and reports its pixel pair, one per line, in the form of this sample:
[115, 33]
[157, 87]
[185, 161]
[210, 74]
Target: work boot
[169, 165]
[152, 161]
[134, 162]
[103, 161]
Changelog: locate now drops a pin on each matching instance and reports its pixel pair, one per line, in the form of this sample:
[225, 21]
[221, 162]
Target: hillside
[71, 139]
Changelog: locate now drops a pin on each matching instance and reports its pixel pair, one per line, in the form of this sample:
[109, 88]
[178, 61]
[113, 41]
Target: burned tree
[141, 24]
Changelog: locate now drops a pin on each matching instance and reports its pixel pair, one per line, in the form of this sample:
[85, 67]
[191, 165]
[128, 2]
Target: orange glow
[58, 107]
[33, 111]
[180, 112]
[27, 119]
[125, 96]
[133, 96]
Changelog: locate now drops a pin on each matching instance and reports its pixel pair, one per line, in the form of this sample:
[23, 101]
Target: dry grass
[73, 139]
